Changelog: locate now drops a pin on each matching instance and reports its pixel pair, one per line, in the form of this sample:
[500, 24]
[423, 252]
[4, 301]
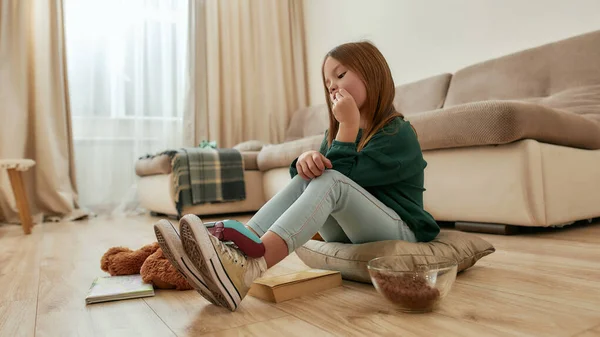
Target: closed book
[113, 288]
[287, 286]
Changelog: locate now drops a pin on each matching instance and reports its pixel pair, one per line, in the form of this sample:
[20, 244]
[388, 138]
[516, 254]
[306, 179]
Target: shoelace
[219, 230]
[232, 253]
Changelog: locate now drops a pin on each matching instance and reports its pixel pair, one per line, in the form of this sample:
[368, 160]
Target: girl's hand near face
[345, 109]
[346, 112]
[312, 164]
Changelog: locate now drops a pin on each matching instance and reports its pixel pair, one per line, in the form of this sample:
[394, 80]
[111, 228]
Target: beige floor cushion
[351, 259]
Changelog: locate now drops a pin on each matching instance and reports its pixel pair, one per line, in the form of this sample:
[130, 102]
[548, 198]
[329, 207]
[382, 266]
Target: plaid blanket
[205, 175]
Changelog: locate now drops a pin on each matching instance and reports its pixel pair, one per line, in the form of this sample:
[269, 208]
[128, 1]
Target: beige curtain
[247, 71]
[34, 106]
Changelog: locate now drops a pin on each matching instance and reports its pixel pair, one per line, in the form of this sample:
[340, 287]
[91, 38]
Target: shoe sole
[199, 248]
[167, 238]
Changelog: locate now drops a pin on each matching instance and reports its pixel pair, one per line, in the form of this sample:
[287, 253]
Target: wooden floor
[544, 284]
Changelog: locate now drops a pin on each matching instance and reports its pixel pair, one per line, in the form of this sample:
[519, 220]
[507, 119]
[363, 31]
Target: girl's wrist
[347, 132]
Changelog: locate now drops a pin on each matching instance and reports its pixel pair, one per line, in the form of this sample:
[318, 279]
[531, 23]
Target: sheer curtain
[127, 73]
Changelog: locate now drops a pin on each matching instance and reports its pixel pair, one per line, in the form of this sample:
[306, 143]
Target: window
[127, 73]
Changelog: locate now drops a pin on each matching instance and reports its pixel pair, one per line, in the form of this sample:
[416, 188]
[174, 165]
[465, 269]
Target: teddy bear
[147, 261]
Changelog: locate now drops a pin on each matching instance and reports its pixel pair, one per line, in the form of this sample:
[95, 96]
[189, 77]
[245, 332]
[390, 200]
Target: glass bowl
[414, 283]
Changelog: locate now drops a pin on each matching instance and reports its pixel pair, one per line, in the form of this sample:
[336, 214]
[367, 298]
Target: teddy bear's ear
[105, 260]
[124, 261]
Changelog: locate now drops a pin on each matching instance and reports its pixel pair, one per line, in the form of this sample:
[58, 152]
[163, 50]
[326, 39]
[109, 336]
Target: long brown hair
[366, 60]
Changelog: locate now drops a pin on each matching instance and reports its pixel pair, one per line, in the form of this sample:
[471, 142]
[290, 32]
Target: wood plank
[70, 262]
[548, 286]
[572, 267]
[593, 332]
[188, 313]
[515, 314]
[19, 279]
[17, 318]
[122, 318]
[358, 310]
[545, 247]
[19, 264]
[283, 326]
[510, 314]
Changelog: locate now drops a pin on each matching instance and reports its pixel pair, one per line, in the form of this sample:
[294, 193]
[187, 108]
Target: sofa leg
[156, 214]
[163, 215]
[488, 228]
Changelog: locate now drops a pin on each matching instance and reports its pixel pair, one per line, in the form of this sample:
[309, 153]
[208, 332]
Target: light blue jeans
[332, 205]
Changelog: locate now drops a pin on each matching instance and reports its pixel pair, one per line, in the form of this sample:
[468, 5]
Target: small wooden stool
[15, 167]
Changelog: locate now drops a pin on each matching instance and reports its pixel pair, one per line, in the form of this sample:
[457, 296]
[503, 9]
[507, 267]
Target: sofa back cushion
[423, 95]
[283, 154]
[533, 73]
[308, 121]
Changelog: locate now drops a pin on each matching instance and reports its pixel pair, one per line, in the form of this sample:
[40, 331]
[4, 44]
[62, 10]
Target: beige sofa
[510, 142]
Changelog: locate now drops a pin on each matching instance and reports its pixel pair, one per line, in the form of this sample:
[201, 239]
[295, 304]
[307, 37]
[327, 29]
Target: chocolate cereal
[409, 291]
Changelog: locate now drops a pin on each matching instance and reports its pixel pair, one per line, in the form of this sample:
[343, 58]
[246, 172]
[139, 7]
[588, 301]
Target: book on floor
[114, 288]
[285, 287]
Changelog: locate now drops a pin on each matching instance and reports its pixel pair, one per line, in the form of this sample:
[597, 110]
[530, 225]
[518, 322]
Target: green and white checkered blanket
[206, 175]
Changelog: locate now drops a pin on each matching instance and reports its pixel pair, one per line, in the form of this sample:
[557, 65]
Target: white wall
[421, 38]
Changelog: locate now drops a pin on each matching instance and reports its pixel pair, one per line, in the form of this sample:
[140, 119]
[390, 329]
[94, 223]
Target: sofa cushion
[250, 160]
[424, 95]
[536, 72]
[282, 155]
[351, 259]
[501, 122]
[308, 121]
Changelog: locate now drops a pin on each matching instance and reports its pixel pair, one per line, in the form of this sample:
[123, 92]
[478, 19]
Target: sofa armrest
[282, 155]
[250, 145]
[160, 164]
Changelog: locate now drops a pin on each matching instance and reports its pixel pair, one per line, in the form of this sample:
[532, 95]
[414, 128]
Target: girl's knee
[329, 177]
[332, 175]
[299, 181]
